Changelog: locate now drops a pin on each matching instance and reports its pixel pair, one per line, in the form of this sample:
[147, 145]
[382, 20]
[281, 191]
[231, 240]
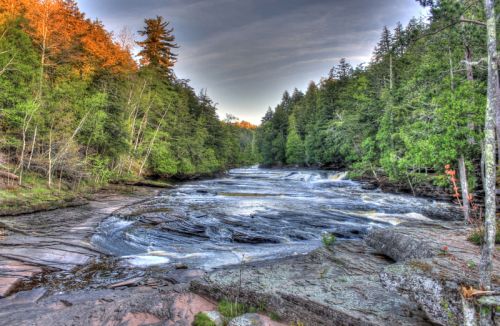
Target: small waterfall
[337, 176]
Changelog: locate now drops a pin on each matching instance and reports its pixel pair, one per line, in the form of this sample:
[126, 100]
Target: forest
[288, 221]
[418, 106]
[76, 108]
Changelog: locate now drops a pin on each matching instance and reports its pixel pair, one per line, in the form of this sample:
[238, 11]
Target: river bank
[57, 270]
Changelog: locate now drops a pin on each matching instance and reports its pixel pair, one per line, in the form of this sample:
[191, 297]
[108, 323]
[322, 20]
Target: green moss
[201, 319]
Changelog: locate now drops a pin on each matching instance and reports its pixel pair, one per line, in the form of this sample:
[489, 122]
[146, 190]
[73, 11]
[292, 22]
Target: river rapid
[252, 214]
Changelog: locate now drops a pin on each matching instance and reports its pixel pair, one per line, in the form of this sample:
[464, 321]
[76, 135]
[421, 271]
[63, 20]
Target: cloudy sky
[247, 52]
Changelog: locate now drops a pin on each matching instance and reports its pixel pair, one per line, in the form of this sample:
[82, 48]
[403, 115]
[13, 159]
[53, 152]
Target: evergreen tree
[157, 48]
[294, 145]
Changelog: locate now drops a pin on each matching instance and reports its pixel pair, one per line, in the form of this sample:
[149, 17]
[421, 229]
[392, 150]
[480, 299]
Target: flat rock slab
[137, 306]
[341, 287]
[55, 240]
[13, 273]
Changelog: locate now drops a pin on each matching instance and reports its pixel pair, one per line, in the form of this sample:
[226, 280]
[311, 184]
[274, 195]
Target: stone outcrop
[434, 260]
[339, 287]
[129, 306]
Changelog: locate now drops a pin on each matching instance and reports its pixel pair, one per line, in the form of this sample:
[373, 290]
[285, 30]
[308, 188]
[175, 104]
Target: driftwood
[8, 175]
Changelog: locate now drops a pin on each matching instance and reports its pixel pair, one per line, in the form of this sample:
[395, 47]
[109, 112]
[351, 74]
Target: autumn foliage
[64, 35]
[245, 125]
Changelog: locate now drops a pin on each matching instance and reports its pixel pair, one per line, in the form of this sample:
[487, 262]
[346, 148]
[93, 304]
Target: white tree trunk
[462, 171]
[488, 248]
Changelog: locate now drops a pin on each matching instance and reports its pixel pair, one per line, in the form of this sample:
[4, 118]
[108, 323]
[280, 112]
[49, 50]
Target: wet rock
[54, 240]
[241, 237]
[368, 186]
[28, 297]
[13, 273]
[246, 320]
[181, 266]
[130, 282]
[215, 317]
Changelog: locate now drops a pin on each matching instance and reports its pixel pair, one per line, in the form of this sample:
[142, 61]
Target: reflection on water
[253, 214]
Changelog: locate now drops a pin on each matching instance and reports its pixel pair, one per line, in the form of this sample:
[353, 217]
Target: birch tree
[488, 248]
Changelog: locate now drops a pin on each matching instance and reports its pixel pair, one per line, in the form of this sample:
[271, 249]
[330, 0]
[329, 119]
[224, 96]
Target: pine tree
[158, 45]
[294, 145]
[384, 45]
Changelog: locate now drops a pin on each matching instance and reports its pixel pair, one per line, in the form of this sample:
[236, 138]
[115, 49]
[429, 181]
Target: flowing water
[252, 214]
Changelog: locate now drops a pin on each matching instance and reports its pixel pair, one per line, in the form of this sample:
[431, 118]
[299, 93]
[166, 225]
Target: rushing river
[252, 214]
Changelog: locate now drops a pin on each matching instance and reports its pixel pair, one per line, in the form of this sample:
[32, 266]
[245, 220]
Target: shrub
[162, 162]
[328, 239]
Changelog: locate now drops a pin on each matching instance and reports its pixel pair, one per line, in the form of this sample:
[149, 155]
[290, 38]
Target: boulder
[434, 261]
[215, 317]
[247, 320]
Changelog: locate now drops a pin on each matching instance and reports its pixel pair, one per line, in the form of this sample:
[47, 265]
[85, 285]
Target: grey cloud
[246, 52]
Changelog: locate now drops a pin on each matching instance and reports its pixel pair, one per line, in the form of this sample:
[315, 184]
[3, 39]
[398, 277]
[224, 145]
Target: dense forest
[76, 106]
[415, 108]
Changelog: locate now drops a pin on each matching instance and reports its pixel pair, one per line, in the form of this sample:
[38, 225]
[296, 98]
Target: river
[252, 214]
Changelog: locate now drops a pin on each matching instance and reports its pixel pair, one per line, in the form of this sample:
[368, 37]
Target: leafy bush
[162, 162]
[186, 167]
[328, 239]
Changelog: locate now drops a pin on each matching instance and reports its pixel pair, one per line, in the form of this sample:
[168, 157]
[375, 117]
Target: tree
[493, 103]
[294, 145]
[341, 72]
[157, 48]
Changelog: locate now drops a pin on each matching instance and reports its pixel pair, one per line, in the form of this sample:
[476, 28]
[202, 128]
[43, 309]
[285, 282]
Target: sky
[246, 53]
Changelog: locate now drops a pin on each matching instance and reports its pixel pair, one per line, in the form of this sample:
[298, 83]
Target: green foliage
[201, 319]
[162, 162]
[328, 239]
[81, 120]
[295, 153]
[231, 309]
[412, 110]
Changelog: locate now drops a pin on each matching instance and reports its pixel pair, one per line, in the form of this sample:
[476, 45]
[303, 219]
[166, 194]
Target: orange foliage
[245, 125]
[64, 35]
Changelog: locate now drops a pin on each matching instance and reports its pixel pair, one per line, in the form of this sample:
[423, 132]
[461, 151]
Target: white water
[254, 214]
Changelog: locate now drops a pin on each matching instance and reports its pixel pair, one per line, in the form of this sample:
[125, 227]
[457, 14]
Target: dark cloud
[246, 52]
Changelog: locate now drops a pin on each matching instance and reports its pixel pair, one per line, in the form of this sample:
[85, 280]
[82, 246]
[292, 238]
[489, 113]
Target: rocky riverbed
[168, 262]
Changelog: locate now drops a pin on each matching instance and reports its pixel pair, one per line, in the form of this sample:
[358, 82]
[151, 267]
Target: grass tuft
[477, 236]
[201, 319]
